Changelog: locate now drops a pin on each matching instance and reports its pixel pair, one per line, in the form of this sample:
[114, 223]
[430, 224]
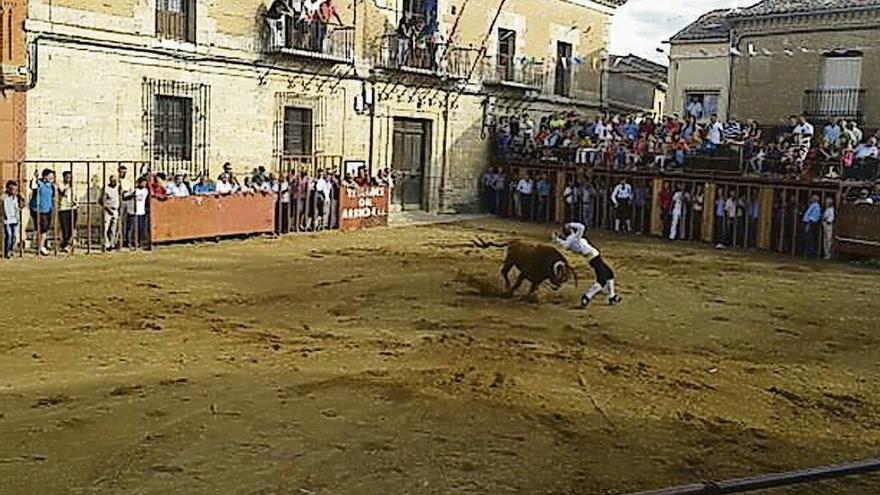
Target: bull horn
[559, 268]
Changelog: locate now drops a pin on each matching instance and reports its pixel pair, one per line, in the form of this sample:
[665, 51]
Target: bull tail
[483, 244]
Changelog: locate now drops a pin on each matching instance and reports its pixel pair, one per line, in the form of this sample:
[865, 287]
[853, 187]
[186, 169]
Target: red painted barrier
[205, 217]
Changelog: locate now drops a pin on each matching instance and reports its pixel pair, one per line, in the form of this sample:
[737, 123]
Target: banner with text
[363, 207]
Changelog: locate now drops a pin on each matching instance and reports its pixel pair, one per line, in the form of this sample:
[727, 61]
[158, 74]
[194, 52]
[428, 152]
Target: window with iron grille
[297, 131]
[176, 20]
[173, 127]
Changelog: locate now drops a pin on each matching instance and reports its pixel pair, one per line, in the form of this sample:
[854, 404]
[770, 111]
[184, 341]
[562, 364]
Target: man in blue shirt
[544, 187]
[41, 205]
[811, 220]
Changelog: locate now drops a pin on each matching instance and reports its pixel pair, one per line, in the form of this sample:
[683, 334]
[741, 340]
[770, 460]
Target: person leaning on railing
[204, 186]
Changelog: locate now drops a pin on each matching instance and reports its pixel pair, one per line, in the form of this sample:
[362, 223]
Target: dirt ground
[386, 362]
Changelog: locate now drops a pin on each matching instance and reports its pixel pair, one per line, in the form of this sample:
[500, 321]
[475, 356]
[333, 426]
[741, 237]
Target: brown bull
[536, 263]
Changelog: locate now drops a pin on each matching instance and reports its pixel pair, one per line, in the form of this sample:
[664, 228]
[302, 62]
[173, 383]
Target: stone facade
[783, 59]
[769, 61]
[98, 65]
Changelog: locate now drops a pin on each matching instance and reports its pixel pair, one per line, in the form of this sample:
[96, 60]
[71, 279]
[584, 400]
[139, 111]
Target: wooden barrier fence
[754, 212]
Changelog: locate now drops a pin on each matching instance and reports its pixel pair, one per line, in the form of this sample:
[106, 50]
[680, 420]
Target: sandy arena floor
[385, 362]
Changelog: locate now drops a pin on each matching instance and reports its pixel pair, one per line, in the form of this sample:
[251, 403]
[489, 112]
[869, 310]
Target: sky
[640, 26]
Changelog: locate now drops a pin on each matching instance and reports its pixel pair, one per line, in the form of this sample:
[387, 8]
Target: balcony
[528, 76]
[314, 41]
[832, 104]
[424, 58]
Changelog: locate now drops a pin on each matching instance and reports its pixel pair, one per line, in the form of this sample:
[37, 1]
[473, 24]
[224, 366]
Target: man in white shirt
[323, 191]
[600, 131]
[829, 216]
[111, 204]
[178, 188]
[679, 200]
[136, 223]
[622, 196]
[572, 239]
[695, 109]
[525, 189]
[570, 195]
[714, 134]
[803, 134]
[867, 150]
[224, 185]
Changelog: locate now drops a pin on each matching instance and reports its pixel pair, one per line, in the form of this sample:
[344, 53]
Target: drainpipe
[445, 157]
[372, 125]
[732, 58]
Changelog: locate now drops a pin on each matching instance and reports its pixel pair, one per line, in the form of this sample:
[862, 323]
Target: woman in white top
[572, 239]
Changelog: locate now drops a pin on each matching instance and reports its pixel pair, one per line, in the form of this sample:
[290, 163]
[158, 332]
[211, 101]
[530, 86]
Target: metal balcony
[422, 57]
[530, 76]
[315, 41]
[832, 104]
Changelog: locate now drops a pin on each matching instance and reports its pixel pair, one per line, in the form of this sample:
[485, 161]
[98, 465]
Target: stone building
[781, 57]
[817, 57]
[699, 67]
[635, 85]
[191, 84]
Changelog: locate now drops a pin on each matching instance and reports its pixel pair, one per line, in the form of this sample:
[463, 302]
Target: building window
[173, 129]
[506, 54]
[701, 105]
[297, 131]
[176, 20]
[563, 69]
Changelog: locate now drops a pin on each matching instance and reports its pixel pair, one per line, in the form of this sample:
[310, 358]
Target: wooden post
[765, 218]
[656, 219]
[709, 193]
[559, 204]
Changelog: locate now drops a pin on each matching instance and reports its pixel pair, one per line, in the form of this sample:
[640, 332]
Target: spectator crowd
[304, 202]
[796, 149]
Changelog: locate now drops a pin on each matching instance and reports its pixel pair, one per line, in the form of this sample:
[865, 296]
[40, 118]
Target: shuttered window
[563, 68]
[297, 131]
[176, 20]
[506, 53]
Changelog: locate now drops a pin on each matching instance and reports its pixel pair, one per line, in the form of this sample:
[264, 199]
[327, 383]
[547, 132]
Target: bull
[536, 263]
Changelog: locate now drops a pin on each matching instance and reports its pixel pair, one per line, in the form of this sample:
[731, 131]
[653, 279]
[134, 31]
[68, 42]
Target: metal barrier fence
[70, 206]
[727, 211]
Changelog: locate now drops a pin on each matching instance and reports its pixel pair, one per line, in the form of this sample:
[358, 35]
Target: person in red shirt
[156, 186]
[647, 126]
[680, 147]
[672, 126]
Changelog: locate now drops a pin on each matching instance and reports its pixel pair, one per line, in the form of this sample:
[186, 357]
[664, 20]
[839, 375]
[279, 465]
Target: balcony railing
[832, 104]
[316, 40]
[526, 75]
[423, 57]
